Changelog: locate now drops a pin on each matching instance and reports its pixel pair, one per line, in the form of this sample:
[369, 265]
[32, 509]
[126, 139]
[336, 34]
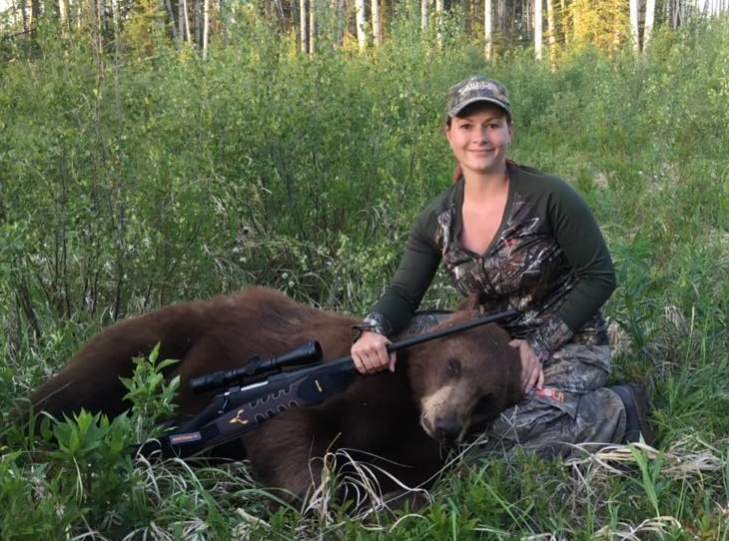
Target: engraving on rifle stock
[238, 419]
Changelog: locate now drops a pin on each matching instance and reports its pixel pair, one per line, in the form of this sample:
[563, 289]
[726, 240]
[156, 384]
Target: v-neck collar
[457, 210]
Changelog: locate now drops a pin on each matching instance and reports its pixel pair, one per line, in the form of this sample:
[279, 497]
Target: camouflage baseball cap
[475, 89]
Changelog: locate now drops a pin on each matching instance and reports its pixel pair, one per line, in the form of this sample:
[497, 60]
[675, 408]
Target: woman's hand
[532, 374]
[370, 354]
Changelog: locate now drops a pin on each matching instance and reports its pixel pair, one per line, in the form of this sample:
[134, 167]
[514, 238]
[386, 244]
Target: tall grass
[126, 185]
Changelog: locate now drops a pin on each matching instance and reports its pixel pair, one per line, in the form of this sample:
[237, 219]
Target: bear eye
[454, 368]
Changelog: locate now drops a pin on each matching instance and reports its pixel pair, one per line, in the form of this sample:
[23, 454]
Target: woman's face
[480, 138]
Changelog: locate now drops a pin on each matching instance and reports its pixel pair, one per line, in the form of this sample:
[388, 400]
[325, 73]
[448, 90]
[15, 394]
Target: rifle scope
[308, 353]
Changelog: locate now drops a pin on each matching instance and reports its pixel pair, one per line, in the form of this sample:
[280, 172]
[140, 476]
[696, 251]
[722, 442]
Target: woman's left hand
[532, 374]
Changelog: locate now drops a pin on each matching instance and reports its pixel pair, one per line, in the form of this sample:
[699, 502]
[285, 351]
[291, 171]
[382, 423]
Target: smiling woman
[518, 239]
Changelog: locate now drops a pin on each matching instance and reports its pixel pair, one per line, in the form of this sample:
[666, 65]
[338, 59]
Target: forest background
[157, 151]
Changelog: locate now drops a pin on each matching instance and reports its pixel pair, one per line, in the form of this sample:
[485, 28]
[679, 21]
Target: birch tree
[650, 13]
[303, 23]
[424, 9]
[186, 16]
[439, 21]
[63, 15]
[361, 24]
[206, 26]
[376, 22]
[552, 33]
[634, 25]
[312, 26]
[488, 28]
[538, 31]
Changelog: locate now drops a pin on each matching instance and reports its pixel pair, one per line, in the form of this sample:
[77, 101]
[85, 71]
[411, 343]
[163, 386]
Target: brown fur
[382, 414]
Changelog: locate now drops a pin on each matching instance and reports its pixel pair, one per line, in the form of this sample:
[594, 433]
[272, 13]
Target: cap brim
[461, 106]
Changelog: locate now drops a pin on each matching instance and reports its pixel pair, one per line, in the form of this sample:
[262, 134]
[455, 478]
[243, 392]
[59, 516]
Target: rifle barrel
[344, 364]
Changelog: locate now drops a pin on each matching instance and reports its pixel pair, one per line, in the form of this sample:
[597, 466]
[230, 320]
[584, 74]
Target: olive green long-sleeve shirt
[548, 260]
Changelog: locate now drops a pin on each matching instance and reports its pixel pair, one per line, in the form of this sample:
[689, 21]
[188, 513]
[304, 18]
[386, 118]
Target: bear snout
[447, 429]
[444, 415]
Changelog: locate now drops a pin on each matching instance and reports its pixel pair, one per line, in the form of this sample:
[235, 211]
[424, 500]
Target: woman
[520, 239]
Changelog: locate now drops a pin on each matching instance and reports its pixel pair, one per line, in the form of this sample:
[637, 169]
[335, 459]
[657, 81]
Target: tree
[439, 21]
[602, 23]
[303, 24]
[634, 25]
[312, 26]
[650, 13]
[361, 22]
[488, 28]
[538, 20]
[63, 15]
[552, 33]
[424, 9]
[376, 22]
[339, 18]
[206, 26]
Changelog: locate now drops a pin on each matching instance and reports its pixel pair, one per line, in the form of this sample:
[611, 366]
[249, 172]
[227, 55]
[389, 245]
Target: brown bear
[394, 421]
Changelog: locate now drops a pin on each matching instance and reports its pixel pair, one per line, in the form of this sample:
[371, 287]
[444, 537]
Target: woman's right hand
[370, 354]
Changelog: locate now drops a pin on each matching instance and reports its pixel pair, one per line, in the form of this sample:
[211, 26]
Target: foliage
[129, 183]
[603, 24]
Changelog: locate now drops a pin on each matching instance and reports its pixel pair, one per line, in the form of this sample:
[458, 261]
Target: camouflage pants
[574, 407]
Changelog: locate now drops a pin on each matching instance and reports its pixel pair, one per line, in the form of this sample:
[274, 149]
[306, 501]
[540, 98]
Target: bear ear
[472, 302]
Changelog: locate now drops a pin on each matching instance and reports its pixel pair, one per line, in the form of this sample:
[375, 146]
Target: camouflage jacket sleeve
[579, 237]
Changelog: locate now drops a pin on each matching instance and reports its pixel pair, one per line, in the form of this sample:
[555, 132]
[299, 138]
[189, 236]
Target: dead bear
[391, 420]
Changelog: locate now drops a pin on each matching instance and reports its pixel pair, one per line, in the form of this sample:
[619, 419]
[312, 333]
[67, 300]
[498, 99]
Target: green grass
[127, 186]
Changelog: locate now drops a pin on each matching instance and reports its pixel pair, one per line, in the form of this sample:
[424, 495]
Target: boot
[637, 408]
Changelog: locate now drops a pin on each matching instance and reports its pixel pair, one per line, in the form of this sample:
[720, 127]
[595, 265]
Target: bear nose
[447, 428]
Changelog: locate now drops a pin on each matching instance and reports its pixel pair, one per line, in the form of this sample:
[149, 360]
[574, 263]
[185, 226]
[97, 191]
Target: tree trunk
[338, 9]
[488, 29]
[424, 9]
[168, 6]
[224, 22]
[650, 13]
[538, 31]
[634, 25]
[565, 22]
[500, 17]
[376, 22]
[63, 15]
[198, 23]
[34, 13]
[361, 24]
[186, 16]
[303, 23]
[206, 25]
[116, 21]
[552, 33]
[439, 21]
[312, 26]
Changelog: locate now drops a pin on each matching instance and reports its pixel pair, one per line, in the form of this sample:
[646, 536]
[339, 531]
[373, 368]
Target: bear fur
[395, 421]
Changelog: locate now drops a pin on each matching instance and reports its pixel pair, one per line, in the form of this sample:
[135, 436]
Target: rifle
[243, 408]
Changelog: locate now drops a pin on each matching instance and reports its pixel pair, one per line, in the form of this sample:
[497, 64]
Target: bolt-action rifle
[243, 408]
